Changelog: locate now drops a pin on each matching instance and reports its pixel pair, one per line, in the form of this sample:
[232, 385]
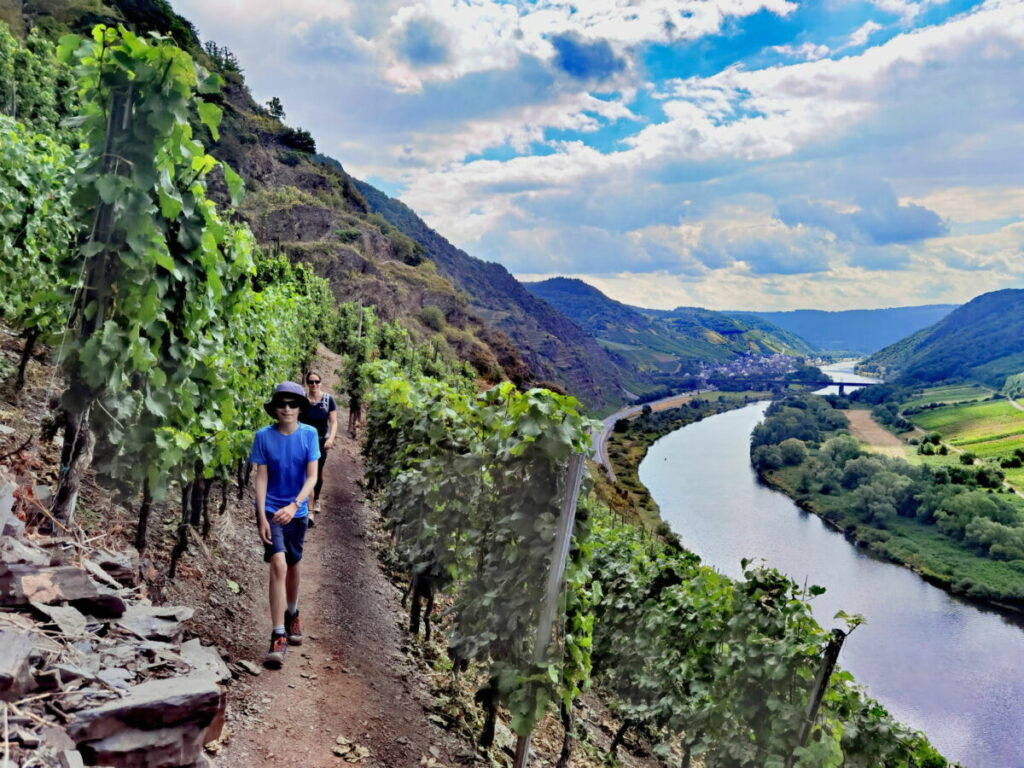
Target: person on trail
[322, 415]
[285, 455]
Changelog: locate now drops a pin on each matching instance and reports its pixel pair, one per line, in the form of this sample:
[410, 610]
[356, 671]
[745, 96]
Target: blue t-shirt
[286, 457]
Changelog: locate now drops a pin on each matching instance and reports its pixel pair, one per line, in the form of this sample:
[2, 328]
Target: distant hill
[861, 331]
[556, 348]
[663, 342]
[981, 340]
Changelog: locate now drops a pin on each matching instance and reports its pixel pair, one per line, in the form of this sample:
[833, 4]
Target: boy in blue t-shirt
[285, 455]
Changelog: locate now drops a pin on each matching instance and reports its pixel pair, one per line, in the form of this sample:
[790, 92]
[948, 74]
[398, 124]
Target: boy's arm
[261, 503]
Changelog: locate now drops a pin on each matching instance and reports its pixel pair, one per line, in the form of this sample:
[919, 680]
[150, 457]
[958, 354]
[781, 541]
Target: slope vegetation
[982, 340]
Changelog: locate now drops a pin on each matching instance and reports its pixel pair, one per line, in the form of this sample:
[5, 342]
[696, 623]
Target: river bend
[938, 663]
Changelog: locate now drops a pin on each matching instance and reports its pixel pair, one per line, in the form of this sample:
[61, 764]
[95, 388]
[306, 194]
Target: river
[938, 663]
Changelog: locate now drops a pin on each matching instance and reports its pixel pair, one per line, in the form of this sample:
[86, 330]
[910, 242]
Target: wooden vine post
[94, 298]
[828, 664]
[560, 554]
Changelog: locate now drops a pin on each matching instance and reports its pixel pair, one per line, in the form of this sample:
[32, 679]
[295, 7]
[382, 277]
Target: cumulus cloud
[875, 217]
[525, 133]
[862, 34]
[805, 51]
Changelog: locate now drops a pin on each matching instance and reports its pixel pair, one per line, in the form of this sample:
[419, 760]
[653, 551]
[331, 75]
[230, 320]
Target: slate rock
[99, 574]
[15, 664]
[9, 524]
[123, 565]
[21, 584]
[204, 658]
[55, 739]
[154, 704]
[69, 620]
[105, 605]
[163, 748]
[153, 623]
[116, 677]
[14, 551]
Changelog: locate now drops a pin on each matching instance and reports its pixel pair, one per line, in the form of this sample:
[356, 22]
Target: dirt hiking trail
[350, 677]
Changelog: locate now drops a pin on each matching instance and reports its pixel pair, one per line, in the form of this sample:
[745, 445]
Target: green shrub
[433, 317]
[298, 138]
[348, 235]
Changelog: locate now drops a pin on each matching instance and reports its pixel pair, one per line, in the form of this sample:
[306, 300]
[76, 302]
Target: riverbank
[921, 548]
[627, 447]
[955, 525]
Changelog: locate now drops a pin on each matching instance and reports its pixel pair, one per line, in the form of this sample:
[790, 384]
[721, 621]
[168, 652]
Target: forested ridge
[668, 345]
[982, 340]
[171, 324]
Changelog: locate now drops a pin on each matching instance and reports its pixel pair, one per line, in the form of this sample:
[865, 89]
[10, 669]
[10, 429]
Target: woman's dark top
[317, 415]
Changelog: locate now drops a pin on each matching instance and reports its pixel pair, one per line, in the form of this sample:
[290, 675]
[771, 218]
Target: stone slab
[16, 649]
[193, 699]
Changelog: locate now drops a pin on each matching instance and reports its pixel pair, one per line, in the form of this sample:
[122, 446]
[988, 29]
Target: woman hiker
[285, 454]
[322, 415]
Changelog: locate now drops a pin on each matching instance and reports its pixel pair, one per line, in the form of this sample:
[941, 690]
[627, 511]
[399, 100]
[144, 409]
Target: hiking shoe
[316, 507]
[275, 656]
[309, 519]
[293, 626]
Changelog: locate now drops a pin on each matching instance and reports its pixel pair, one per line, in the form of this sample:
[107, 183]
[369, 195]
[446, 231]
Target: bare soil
[871, 433]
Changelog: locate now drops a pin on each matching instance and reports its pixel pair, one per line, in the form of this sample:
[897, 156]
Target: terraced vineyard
[956, 393]
[990, 430]
[974, 424]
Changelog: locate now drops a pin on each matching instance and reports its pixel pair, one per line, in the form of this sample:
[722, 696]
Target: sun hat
[286, 389]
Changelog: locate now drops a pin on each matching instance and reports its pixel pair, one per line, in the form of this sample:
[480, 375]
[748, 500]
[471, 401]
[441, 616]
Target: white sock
[293, 608]
[279, 629]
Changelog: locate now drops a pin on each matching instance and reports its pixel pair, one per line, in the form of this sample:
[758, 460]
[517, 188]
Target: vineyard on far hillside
[172, 325]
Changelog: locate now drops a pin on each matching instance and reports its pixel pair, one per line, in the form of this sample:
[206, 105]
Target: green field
[990, 430]
[952, 394]
[972, 423]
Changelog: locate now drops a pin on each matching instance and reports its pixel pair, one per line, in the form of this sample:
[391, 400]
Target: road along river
[938, 663]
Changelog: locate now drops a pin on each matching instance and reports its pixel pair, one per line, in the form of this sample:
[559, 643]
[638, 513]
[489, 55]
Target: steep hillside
[552, 341]
[861, 331]
[296, 203]
[982, 340]
[658, 341]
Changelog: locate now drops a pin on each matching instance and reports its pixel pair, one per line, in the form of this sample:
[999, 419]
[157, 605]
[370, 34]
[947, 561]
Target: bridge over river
[757, 382]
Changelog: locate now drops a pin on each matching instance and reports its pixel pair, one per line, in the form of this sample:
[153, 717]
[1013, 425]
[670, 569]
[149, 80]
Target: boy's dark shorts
[287, 538]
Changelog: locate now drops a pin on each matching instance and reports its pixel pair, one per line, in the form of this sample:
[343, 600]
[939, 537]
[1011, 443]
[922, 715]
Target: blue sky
[733, 154]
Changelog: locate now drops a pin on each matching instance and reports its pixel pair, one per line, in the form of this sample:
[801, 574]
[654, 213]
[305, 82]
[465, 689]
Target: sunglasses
[312, 381]
[288, 404]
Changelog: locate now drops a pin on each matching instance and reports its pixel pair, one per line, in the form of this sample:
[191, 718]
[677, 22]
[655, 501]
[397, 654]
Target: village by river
[946, 666]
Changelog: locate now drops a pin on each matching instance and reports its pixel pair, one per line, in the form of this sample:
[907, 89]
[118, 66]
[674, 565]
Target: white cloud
[907, 10]
[475, 37]
[970, 204]
[862, 34]
[804, 51]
